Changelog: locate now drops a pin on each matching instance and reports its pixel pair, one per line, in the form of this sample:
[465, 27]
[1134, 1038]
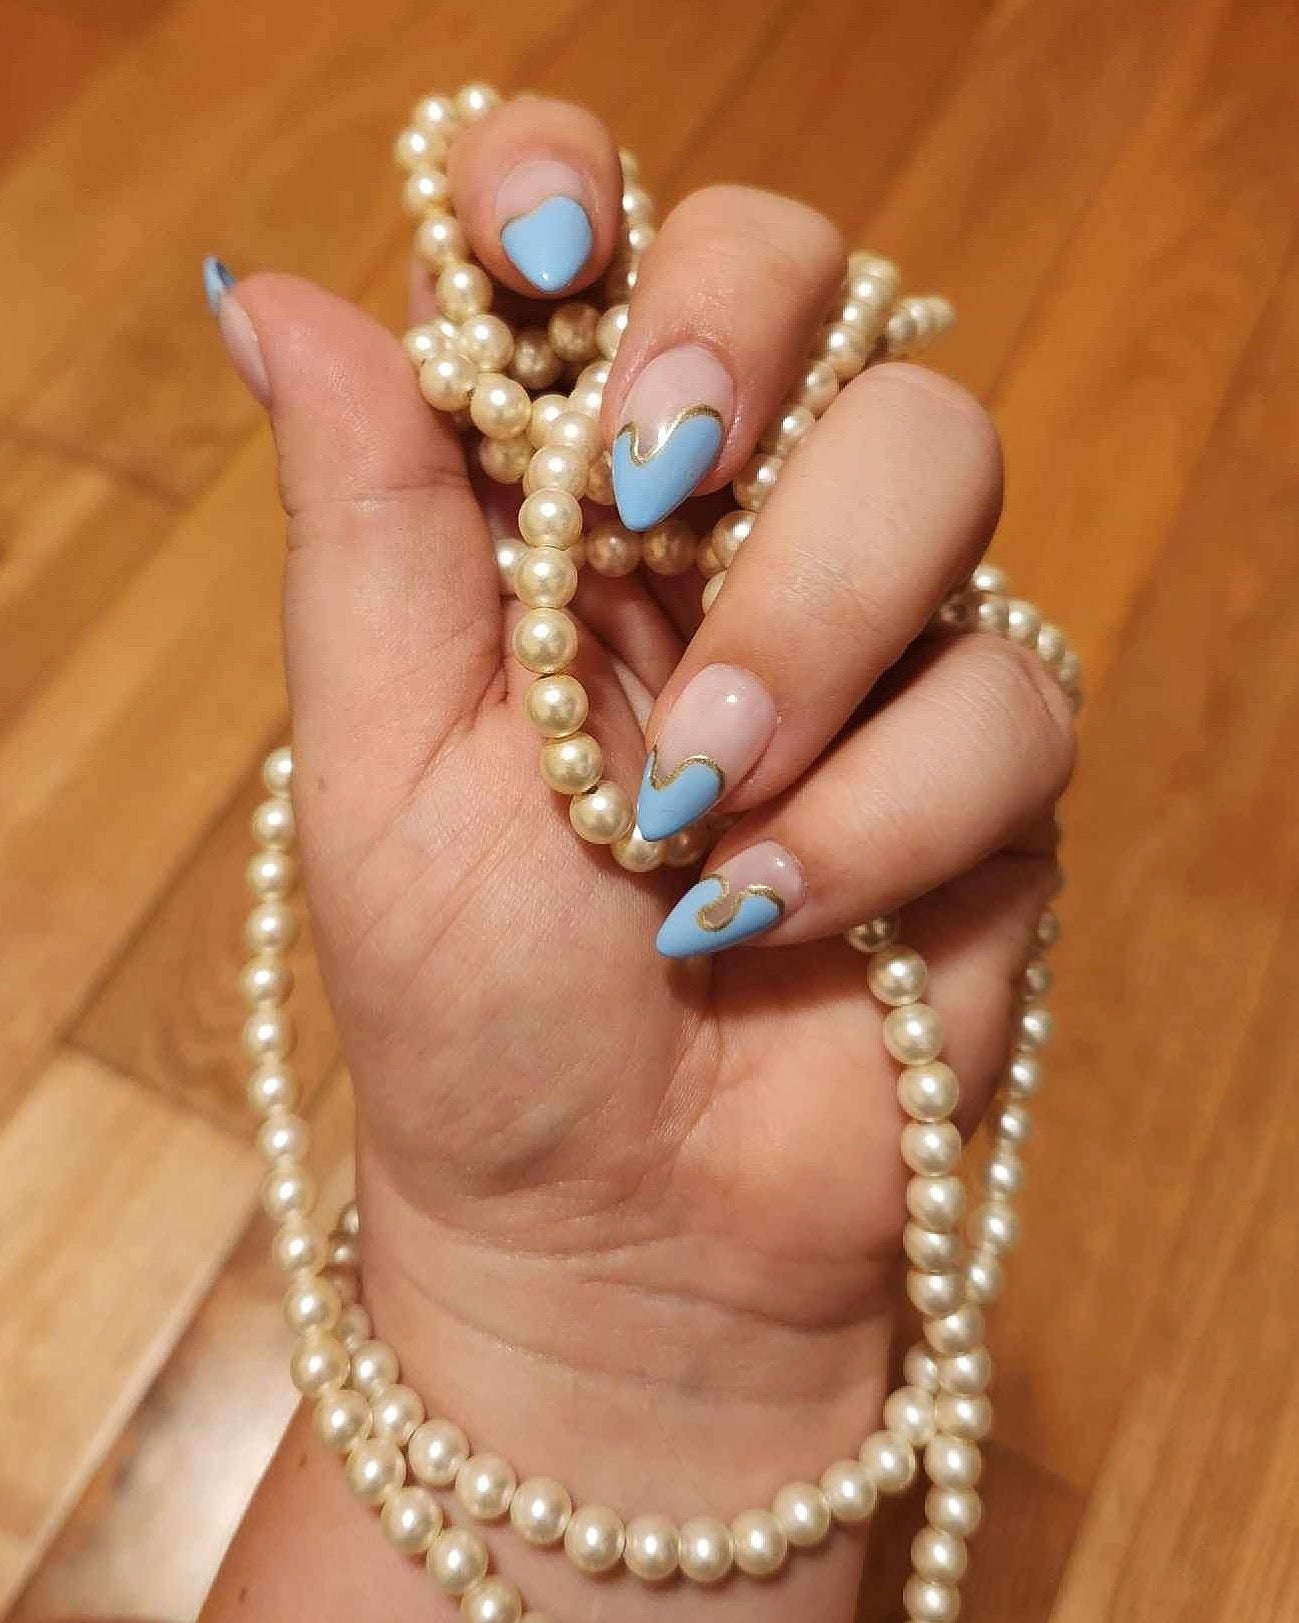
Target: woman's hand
[631, 1220]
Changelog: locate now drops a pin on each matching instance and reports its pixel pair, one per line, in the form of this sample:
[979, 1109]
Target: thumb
[391, 609]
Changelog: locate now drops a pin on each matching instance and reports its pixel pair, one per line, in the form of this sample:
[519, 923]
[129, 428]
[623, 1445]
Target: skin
[635, 1225]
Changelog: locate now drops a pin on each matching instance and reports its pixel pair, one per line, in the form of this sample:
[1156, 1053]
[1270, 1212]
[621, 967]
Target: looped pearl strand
[397, 1459]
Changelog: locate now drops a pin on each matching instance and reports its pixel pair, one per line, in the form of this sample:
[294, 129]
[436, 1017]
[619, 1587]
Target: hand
[661, 1200]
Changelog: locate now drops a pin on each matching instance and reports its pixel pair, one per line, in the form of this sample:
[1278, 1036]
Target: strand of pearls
[397, 1458]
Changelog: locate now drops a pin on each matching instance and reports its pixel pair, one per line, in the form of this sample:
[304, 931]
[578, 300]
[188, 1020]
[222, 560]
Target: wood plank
[1184, 867]
[133, 1546]
[171, 1013]
[116, 1212]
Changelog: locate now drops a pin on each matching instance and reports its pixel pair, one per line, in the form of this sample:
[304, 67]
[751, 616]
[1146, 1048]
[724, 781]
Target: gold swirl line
[633, 430]
[658, 784]
[717, 914]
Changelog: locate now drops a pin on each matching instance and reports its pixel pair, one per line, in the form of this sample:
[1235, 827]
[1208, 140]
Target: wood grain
[1106, 190]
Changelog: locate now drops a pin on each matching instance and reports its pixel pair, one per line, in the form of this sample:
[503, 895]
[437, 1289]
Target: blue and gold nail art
[668, 804]
[550, 243]
[647, 486]
[711, 916]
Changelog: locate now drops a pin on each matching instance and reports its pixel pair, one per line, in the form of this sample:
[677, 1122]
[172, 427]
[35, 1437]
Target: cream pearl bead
[411, 1519]
[283, 1136]
[440, 241]
[953, 1462]
[897, 975]
[346, 1287]
[599, 480]
[557, 467]
[545, 640]
[540, 1510]
[269, 1033]
[342, 1419]
[989, 578]
[413, 148]
[556, 705]
[288, 1188]
[271, 874]
[534, 363]
[760, 1544]
[1037, 978]
[969, 1373]
[637, 854]
[299, 1244]
[1004, 1173]
[273, 824]
[397, 1412]
[485, 1485]
[271, 927]
[574, 431]
[938, 1556]
[931, 1148]
[572, 765]
[457, 1559]
[488, 343]
[436, 1452]
[931, 1250]
[601, 815]
[319, 1361]
[344, 1252]
[683, 850]
[874, 935]
[463, 290]
[499, 407]
[954, 1510]
[1024, 1076]
[920, 1368]
[612, 549]
[546, 411]
[910, 1413]
[669, 547]
[475, 101]
[375, 1469]
[374, 1366]
[354, 1328]
[984, 1278]
[1048, 928]
[729, 534]
[929, 1602]
[571, 330]
[842, 347]
[995, 1226]
[509, 551]
[890, 1461]
[935, 1294]
[594, 1538]
[1011, 1123]
[446, 380]
[818, 387]
[913, 1034]
[849, 1492]
[428, 339]
[651, 1551]
[1023, 622]
[609, 330]
[712, 591]
[961, 1330]
[803, 1512]
[266, 979]
[586, 400]
[961, 1416]
[546, 578]
[706, 561]
[492, 1600]
[706, 1551]
[1051, 644]
[550, 518]
[349, 1220]
[435, 115]
[790, 428]
[936, 1203]
[756, 480]
[1035, 1026]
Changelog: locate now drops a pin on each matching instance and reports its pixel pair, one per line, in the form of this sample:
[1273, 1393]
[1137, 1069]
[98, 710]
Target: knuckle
[777, 233]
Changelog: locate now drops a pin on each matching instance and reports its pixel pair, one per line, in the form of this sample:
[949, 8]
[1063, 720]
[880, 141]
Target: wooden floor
[1109, 191]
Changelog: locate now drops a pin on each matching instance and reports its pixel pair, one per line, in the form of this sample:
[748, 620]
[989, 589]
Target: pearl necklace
[396, 1456]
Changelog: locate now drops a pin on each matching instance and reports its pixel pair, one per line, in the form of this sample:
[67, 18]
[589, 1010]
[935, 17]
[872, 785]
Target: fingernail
[545, 231]
[674, 422]
[750, 893]
[237, 332]
[718, 727]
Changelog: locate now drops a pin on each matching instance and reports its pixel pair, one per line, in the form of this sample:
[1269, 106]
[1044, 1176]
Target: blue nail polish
[550, 243]
[216, 279]
[667, 805]
[710, 918]
[649, 487]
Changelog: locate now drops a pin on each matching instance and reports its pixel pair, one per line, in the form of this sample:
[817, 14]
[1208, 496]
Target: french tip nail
[217, 278]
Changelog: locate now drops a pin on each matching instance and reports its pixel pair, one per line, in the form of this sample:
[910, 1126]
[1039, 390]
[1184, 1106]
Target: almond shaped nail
[748, 895]
[675, 419]
[715, 732]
